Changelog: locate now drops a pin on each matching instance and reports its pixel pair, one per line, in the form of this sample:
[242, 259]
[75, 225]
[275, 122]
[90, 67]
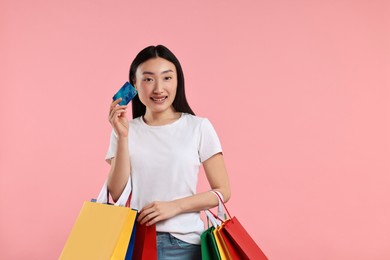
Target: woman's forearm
[120, 169]
[160, 210]
[201, 201]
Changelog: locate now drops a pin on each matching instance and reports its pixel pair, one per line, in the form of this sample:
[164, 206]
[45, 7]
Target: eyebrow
[151, 73]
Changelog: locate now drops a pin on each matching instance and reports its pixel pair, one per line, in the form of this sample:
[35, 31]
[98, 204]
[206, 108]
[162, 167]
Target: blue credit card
[127, 92]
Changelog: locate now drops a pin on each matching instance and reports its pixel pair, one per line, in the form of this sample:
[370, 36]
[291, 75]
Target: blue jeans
[171, 248]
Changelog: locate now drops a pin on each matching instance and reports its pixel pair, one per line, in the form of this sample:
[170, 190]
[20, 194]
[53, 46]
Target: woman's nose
[157, 88]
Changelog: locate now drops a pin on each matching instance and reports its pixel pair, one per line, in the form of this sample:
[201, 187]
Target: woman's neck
[161, 118]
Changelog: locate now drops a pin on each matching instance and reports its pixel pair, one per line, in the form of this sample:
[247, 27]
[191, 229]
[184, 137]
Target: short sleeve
[209, 144]
[111, 153]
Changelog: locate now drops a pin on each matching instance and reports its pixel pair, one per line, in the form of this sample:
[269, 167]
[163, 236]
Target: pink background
[297, 90]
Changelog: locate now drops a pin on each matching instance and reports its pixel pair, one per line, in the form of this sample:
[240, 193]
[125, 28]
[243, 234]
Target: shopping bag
[216, 244]
[101, 231]
[222, 247]
[238, 241]
[145, 247]
[208, 245]
[130, 248]
[143, 244]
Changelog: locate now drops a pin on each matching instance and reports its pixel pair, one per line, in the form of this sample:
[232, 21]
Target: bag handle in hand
[220, 215]
[214, 221]
[104, 198]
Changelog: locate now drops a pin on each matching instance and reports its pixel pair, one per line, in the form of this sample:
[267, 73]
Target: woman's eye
[148, 79]
[168, 78]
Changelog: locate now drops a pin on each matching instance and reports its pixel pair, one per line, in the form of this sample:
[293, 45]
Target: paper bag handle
[214, 221]
[221, 206]
[104, 198]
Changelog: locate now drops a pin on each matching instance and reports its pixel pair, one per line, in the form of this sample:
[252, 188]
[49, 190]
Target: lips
[158, 99]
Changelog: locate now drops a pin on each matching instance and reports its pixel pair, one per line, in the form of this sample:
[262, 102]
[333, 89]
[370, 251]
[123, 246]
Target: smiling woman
[157, 155]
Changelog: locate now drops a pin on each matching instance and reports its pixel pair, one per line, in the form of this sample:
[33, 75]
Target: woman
[160, 151]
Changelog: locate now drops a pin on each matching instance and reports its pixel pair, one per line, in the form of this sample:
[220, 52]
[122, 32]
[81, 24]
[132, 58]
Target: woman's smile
[159, 99]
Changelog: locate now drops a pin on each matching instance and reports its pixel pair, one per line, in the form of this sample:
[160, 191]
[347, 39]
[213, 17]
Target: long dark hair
[180, 103]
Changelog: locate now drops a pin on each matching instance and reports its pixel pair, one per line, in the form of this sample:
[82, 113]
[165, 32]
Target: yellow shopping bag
[101, 231]
[222, 248]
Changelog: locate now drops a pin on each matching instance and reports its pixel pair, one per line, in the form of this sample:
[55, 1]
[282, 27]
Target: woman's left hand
[158, 211]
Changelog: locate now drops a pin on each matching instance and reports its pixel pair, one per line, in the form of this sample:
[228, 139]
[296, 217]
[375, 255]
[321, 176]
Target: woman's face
[156, 82]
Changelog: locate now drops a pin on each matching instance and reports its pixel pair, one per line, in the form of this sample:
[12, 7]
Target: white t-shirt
[165, 163]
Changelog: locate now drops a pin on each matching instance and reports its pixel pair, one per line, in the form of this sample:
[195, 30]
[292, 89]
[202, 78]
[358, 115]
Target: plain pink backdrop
[298, 92]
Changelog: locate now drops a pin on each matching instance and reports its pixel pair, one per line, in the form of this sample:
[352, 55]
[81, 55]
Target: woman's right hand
[118, 119]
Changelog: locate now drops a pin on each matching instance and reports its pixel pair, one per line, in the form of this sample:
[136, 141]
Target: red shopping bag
[145, 246]
[240, 244]
[238, 241]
